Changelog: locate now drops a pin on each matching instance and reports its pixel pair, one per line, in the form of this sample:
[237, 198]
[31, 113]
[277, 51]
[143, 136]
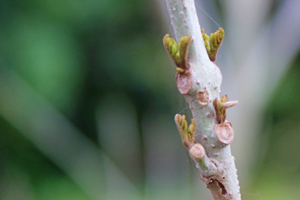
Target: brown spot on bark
[197, 151]
[224, 132]
[218, 189]
[203, 97]
[184, 82]
[224, 191]
[206, 180]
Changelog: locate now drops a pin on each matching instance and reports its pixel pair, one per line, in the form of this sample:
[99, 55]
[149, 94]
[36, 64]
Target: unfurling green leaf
[187, 133]
[213, 42]
[191, 131]
[184, 45]
[206, 41]
[178, 53]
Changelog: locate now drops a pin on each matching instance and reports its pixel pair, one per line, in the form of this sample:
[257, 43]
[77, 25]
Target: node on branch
[224, 132]
[221, 106]
[203, 97]
[205, 165]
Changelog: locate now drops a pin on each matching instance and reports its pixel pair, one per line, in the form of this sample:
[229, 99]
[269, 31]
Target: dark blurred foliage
[82, 55]
[74, 53]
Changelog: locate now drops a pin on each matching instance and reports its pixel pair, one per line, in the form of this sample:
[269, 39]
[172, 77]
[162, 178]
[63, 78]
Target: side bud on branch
[178, 54]
[197, 151]
[224, 130]
[221, 106]
[213, 42]
[187, 133]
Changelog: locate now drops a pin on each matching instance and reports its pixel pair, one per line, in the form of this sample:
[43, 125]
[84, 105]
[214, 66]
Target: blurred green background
[88, 96]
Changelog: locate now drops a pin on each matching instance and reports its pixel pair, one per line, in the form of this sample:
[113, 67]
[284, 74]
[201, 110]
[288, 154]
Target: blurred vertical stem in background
[199, 79]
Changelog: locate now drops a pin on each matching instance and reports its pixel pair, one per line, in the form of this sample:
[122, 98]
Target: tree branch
[199, 80]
